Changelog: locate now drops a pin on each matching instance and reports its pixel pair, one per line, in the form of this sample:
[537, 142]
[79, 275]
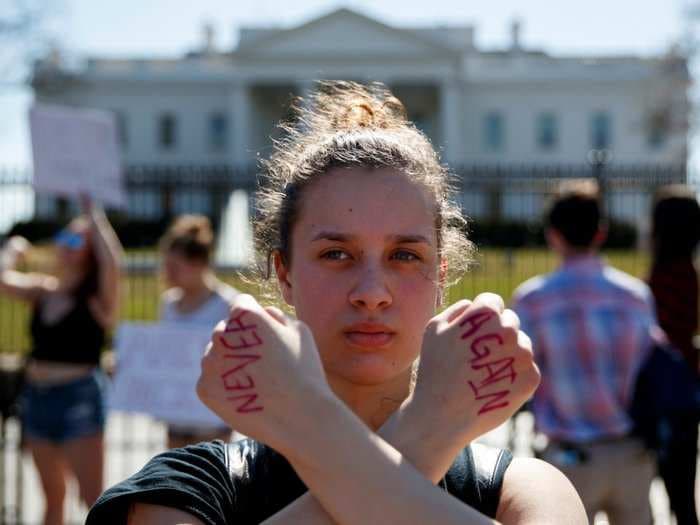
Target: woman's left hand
[476, 369]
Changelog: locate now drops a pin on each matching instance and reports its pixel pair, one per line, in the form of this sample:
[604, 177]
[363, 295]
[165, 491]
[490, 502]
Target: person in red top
[674, 283]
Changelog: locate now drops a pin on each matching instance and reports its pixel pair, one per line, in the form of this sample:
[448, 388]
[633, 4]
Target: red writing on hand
[490, 389]
[236, 325]
[475, 321]
[235, 378]
[245, 404]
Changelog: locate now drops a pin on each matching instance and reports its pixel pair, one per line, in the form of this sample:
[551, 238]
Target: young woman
[63, 412]
[194, 296]
[355, 218]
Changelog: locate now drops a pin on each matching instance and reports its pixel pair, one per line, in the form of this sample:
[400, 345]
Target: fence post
[598, 158]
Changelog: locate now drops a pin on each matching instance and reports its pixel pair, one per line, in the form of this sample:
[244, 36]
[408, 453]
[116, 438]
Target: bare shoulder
[158, 515]
[535, 492]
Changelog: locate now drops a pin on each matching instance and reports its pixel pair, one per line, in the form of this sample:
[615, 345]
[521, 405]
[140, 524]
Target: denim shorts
[66, 411]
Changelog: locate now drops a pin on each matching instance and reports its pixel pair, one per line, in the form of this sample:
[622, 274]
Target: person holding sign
[195, 296]
[63, 407]
[354, 216]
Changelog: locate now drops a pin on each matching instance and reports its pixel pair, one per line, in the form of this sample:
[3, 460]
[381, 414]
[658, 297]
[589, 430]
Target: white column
[450, 121]
[241, 152]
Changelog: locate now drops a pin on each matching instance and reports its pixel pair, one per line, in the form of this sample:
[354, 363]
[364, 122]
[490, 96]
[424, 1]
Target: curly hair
[349, 125]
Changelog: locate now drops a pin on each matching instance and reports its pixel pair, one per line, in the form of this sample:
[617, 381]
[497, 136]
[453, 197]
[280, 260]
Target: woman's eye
[403, 255]
[335, 255]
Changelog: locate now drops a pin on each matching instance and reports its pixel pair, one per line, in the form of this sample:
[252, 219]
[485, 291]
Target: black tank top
[246, 482]
[76, 338]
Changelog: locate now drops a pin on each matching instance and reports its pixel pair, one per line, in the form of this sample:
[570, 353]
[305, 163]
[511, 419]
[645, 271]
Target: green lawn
[496, 270]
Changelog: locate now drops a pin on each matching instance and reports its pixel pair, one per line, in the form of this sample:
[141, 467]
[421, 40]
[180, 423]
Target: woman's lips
[369, 336]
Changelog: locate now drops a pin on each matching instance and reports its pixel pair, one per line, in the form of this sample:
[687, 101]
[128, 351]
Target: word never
[234, 378]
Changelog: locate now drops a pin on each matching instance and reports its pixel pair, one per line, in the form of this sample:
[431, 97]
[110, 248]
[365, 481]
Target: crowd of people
[365, 407]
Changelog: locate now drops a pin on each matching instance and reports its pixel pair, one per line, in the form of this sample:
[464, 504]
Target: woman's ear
[282, 272]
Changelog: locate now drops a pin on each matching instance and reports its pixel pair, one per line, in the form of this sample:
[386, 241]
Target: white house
[510, 106]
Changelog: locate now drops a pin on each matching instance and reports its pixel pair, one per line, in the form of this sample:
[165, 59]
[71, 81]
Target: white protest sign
[75, 151]
[157, 370]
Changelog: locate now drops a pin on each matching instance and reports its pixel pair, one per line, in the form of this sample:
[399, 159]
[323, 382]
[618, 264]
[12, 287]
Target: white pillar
[450, 121]
[241, 152]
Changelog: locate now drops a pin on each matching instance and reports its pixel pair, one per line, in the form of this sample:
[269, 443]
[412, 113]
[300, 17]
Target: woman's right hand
[261, 373]
[476, 369]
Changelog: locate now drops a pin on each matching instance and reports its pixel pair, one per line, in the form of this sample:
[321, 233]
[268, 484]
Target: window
[122, 128]
[493, 131]
[546, 131]
[657, 132]
[601, 131]
[218, 131]
[167, 131]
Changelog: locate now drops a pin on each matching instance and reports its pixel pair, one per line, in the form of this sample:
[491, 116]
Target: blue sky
[171, 27]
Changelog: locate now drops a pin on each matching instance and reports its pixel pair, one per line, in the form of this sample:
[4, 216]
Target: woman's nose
[371, 289]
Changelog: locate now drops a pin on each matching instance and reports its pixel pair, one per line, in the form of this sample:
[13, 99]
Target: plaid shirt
[591, 328]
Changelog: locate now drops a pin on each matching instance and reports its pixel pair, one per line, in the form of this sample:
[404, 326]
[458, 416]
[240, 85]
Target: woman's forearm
[430, 452]
[108, 252]
[108, 249]
[357, 477]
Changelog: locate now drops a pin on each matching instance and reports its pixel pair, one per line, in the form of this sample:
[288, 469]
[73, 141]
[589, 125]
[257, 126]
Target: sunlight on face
[363, 271]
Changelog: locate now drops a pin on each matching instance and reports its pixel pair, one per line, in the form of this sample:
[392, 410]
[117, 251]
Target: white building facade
[508, 107]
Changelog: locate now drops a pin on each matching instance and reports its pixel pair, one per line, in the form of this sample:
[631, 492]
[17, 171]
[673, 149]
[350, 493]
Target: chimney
[55, 57]
[515, 30]
[469, 37]
[208, 38]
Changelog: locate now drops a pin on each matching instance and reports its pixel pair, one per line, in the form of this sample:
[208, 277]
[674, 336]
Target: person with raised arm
[347, 427]
[63, 404]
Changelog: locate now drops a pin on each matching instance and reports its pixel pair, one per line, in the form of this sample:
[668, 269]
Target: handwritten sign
[157, 370]
[75, 151]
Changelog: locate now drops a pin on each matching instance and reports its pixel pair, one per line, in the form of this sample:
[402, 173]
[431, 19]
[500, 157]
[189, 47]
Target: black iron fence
[505, 203]
[487, 193]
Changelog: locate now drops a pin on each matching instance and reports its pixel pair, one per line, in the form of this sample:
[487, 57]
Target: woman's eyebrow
[332, 236]
[410, 239]
[347, 237]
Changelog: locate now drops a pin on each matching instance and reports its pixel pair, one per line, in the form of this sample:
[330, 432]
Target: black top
[246, 482]
[76, 338]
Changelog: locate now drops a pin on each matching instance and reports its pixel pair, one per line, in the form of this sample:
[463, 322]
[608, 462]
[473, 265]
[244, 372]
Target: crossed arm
[357, 476]
[378, 480]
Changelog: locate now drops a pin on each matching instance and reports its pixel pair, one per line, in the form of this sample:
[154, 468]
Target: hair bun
[348, 105]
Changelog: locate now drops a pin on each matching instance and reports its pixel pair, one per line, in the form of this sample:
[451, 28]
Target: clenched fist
[260, 371]
[476, 368]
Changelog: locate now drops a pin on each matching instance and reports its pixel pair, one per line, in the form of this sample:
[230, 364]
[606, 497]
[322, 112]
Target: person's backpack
[666, 391]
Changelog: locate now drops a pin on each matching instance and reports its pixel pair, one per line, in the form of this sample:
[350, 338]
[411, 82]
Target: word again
[499, 372]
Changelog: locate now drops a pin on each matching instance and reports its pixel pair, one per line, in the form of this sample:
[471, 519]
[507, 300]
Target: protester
[355, 219]
[195, 296]
[674, 283]
[592, 326]
[63, 407]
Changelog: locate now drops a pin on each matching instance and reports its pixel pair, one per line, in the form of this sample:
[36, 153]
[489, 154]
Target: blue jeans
[66, 411]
